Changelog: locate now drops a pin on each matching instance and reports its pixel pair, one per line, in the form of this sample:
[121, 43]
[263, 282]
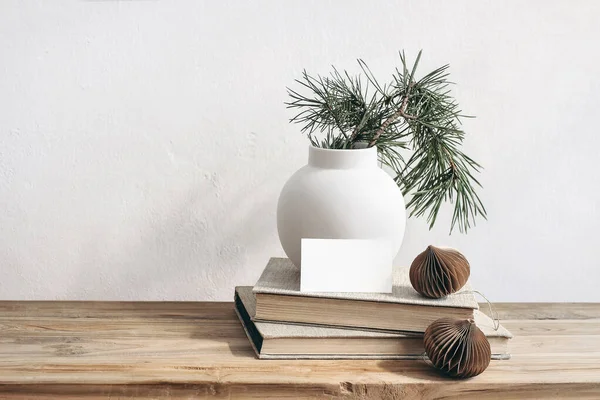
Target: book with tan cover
[293, 341]
[278, 298]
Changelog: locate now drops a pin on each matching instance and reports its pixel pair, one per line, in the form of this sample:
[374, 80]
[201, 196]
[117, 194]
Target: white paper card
[346, 265]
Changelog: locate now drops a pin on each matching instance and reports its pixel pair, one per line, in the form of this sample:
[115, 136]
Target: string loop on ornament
[493, 312]
[426, 359]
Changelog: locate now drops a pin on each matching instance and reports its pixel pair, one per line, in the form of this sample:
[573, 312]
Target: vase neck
[342, 159]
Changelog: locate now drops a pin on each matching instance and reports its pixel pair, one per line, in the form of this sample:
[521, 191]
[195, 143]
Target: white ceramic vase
[340, 194]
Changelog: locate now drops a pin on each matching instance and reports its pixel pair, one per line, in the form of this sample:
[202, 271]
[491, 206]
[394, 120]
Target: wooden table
[84, 350]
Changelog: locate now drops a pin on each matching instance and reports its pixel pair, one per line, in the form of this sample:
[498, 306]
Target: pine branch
[404, 115]
[400, 113]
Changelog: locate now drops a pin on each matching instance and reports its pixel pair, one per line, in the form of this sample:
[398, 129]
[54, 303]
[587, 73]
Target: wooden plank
[105, 327]
[295, 373]
[99, 340]
[542, 311]
[564, 327]
[214, 310]
[344, 390]
[94, 350]
[116, 309]
[159, 328]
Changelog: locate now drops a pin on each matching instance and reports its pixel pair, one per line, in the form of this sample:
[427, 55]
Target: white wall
[143, 144]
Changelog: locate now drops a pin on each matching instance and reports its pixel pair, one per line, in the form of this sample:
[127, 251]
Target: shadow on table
[226, 329]
[418, 369]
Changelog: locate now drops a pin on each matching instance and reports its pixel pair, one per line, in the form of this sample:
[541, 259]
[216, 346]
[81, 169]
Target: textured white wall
[143, 144]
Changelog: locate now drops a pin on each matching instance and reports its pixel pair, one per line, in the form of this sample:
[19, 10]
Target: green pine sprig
[415, 124]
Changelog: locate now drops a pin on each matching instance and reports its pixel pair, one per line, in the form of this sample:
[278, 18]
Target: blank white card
[346, 265]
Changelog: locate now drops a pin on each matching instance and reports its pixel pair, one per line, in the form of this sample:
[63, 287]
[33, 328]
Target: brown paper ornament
[457, 347]
[438, 272]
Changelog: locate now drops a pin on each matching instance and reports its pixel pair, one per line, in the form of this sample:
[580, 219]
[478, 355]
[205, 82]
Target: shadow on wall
[198, 245]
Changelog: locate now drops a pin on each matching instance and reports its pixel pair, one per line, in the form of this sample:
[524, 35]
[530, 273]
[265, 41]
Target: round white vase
[340, 194]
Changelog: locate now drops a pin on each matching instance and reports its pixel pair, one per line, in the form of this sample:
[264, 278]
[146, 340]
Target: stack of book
[284, 323]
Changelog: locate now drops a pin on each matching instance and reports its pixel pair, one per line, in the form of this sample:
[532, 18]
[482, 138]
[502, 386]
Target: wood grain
[155, 350]
[543, 311]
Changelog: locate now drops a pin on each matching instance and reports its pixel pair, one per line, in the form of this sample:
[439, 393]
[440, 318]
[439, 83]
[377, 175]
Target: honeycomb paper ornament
[438, 272]
[457, 347]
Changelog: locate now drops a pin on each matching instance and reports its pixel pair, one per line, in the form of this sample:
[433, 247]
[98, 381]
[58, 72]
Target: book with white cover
[278, 298]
